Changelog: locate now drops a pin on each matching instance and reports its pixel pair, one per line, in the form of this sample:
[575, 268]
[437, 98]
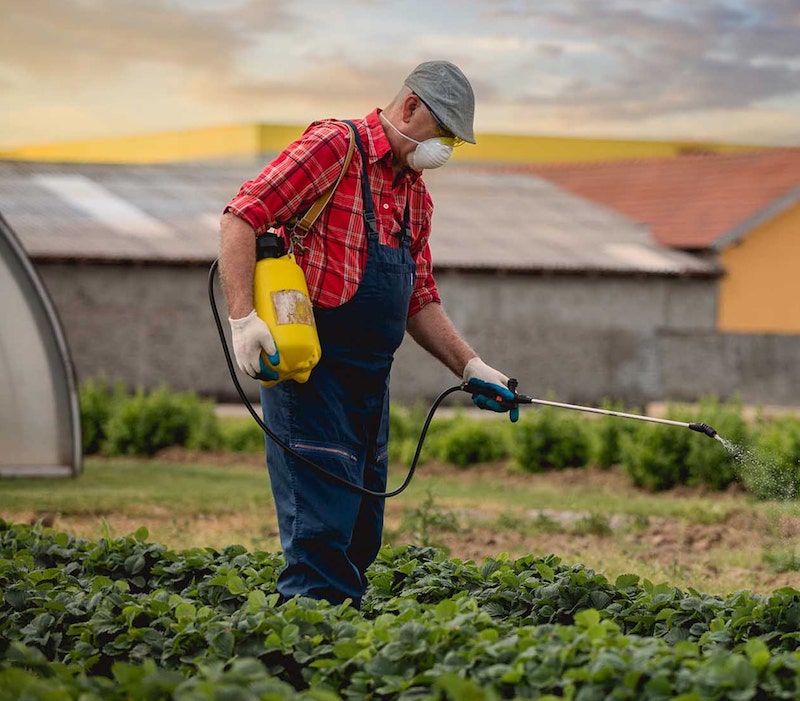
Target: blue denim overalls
[340, 419]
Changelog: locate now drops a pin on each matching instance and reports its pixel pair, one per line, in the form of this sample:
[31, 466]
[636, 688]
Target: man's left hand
[479, 373]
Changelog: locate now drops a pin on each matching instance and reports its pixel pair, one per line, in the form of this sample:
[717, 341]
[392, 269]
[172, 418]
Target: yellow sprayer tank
[280, 298]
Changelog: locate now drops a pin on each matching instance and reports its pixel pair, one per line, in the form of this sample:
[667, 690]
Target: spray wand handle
[490, 391]
[518, 398]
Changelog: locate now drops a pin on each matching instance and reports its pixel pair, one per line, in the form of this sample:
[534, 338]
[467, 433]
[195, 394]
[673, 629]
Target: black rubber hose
[321, 470]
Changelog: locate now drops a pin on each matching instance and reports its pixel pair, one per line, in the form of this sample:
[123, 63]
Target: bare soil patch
[722, 556]
[717, 557]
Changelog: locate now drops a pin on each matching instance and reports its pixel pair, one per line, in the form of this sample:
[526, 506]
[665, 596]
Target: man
[369, 271]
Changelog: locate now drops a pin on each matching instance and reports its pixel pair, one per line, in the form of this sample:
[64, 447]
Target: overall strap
[366, 191]
[404, 235]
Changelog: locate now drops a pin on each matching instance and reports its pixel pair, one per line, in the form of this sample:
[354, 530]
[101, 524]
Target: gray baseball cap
[446, 91]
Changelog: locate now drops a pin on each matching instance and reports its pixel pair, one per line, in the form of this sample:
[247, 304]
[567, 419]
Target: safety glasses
[444, 132]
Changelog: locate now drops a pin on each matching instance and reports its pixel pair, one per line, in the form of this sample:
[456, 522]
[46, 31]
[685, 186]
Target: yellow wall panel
[255, 139]
[760, 292]
[188, 145]
[540, 149]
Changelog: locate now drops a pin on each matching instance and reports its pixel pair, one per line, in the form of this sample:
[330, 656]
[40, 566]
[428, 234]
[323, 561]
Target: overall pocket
[323, 508]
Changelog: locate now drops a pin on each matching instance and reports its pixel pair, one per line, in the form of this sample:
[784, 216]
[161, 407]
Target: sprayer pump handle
[487, 391]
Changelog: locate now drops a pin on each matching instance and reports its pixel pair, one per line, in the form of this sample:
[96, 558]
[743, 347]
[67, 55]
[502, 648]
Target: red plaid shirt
[335, 250]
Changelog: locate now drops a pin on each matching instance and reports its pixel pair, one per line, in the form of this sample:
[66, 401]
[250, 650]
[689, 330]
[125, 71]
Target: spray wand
[524, 399]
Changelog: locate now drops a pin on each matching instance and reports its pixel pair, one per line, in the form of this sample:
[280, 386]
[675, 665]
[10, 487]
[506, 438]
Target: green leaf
[717, 625]
[456, 688]
[346, 649]
[222, 644]
[665, 614]
[134, 564]
[757, 652]
[545, 571]
[106, 530]
[290, 634]
[256, 600]
[445, 610]
[625, 581]
[235, 584]
[587, 618]
[185, 611]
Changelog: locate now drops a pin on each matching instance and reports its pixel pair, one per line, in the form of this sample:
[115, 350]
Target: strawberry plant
[125, 618]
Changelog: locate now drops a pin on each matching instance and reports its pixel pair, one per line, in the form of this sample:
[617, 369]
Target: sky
[706, 70]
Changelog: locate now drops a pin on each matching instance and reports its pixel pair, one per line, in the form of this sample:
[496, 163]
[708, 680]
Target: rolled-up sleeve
[425, 290]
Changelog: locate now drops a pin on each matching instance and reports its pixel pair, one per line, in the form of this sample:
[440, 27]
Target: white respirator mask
[431, 153]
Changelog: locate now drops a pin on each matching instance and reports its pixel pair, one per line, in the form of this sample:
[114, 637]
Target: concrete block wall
[145, 324]
[579, 338]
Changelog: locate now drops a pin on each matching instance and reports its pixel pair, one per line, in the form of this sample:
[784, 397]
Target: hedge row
[116, 422]
[763, 456]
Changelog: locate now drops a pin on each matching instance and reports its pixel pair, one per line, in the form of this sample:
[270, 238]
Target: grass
[183, 504]
[139, 487]
[682, 537]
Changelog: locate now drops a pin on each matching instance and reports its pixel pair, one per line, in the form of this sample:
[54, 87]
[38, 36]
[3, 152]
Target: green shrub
[145, 423]
[401, 422]
[605, 435]
[655, 457]
[242, 435]
[436, 437]
[404, 431]
[405, 424]
[402, 451]
[97, 398]
[471, 441]
[773, 470]
[662, 457]
[550, 438]
[709, 463]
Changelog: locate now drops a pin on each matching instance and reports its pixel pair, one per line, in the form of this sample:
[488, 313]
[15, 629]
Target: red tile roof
[687, 201]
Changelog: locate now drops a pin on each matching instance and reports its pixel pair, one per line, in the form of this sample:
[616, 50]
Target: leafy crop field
[686, 588]
[125, 618]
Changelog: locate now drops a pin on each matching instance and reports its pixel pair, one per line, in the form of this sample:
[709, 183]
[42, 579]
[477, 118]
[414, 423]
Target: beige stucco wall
[760, 292]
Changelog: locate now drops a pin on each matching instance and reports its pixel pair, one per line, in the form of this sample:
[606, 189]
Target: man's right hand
[250, 337]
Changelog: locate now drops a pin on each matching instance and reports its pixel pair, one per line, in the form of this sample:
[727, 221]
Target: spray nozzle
[703, 428]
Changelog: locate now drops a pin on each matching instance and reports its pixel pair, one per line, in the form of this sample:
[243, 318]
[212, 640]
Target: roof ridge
[749, 154]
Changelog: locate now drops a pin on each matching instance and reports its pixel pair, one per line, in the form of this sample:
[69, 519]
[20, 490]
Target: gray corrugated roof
[523, 222]
[482, 220]
[116, 212]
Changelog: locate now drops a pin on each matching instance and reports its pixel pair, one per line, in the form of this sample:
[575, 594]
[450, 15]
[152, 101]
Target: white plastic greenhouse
[40, 427]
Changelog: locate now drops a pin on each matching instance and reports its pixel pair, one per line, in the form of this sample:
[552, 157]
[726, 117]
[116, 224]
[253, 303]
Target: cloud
[661, 58]
[621, 66]
[70, 42]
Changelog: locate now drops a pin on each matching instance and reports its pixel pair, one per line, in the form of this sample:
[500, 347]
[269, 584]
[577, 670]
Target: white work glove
[491, 387]
[250, 336]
